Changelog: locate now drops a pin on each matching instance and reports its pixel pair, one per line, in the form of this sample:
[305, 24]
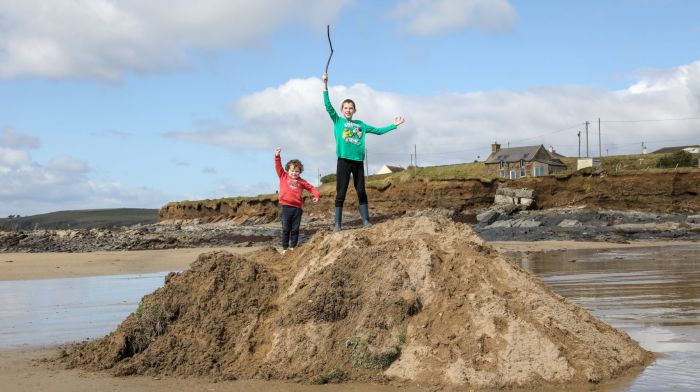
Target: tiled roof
[514, 154]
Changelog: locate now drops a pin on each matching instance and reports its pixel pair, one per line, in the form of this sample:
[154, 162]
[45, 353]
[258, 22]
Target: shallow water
[651, 293]
[52, 311]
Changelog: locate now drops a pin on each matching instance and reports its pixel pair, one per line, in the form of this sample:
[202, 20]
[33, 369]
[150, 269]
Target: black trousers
[291, 220]
[342, 173]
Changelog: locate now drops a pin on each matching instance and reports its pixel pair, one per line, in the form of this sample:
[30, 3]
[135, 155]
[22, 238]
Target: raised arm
[278, 162]
[327, 101]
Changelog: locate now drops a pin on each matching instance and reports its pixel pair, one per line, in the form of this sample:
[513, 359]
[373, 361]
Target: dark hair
[348, 101]
[296, 163]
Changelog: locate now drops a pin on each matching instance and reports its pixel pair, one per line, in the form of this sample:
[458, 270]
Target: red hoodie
[290, 188]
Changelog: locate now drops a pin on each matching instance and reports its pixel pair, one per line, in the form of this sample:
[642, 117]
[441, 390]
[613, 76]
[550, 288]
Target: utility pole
[415, 156]
[366, 163]
[319, 176]
[600, 144]
[579, 144]
[587, 154]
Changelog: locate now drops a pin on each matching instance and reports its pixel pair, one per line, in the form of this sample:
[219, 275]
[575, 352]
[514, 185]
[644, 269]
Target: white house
[669, 150]
[387, 169]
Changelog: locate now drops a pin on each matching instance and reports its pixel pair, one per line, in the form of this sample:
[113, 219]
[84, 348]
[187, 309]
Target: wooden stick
[328, 30]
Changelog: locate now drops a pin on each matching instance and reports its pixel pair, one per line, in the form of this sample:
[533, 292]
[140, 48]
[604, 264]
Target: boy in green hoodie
[350, 149]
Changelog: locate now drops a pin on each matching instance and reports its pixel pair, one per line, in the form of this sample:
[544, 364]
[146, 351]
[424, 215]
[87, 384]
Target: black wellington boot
[364, 213]
[338, 218]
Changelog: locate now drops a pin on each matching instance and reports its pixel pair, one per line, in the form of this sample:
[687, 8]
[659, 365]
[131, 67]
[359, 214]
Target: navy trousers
[291, 220]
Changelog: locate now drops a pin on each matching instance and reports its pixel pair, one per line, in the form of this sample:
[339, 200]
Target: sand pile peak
[414, 299]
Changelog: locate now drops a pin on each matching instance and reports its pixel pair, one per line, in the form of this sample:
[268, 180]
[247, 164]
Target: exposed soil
[668, 192]
[420, 300]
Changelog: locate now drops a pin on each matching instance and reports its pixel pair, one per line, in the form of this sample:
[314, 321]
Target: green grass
[82, 219]
[463, 171]
[362, 358]
[622, 164]
[630, 164]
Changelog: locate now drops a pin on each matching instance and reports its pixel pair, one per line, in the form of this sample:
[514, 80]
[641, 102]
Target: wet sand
[54, 265]
[544, 246]
[23, 369]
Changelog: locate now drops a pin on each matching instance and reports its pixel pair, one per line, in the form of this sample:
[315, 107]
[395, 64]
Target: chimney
[495, 147]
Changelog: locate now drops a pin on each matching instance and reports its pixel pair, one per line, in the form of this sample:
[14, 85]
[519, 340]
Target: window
[502, 173]
[513, 174]
[503, 164]
[522, 171]
[538, 171]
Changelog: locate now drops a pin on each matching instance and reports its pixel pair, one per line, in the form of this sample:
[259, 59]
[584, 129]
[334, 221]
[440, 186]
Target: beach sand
[25, 369]
[24, 266]
[546, 246]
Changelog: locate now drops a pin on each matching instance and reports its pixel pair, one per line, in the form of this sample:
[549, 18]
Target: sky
[137, 103]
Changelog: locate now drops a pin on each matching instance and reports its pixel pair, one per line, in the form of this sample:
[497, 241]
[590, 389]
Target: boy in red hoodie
[290, 198]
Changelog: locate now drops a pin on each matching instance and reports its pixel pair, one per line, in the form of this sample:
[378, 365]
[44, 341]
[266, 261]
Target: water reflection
[651, 293]
[50, 311]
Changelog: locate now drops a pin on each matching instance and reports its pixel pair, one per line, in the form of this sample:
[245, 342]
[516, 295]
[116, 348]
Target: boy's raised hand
[277, 151]
[398, 120]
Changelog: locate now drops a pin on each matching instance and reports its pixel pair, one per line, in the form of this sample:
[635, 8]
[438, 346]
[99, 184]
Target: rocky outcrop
[138, 237]
[584, 224]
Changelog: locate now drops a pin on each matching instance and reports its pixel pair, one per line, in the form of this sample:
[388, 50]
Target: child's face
[348, 110]
[294, 171]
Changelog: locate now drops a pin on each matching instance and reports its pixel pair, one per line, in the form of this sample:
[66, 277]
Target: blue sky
[107, 103]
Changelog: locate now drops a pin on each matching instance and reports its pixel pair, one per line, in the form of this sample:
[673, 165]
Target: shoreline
[26, 369]
[58, 265]
[545, 246]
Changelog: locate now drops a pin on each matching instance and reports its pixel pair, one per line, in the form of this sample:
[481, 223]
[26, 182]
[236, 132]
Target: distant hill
[82, 219]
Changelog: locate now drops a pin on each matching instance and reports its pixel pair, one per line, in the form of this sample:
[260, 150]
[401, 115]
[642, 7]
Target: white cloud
[105, 38]
[29, 187]
[11, 157]
[453, 128]
[432, 17]
[14, 139]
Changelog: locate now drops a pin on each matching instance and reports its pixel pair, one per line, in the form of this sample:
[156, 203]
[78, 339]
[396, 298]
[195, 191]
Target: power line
[479, 149]
[550, 133]
[657, 120]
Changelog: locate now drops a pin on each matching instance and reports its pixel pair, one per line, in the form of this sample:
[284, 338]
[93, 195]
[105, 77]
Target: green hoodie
[350, 134]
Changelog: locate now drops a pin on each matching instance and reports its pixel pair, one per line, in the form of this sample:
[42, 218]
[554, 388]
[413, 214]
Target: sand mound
[414, 299]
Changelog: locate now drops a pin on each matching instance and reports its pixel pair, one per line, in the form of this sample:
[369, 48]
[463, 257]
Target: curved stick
[328, 30]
